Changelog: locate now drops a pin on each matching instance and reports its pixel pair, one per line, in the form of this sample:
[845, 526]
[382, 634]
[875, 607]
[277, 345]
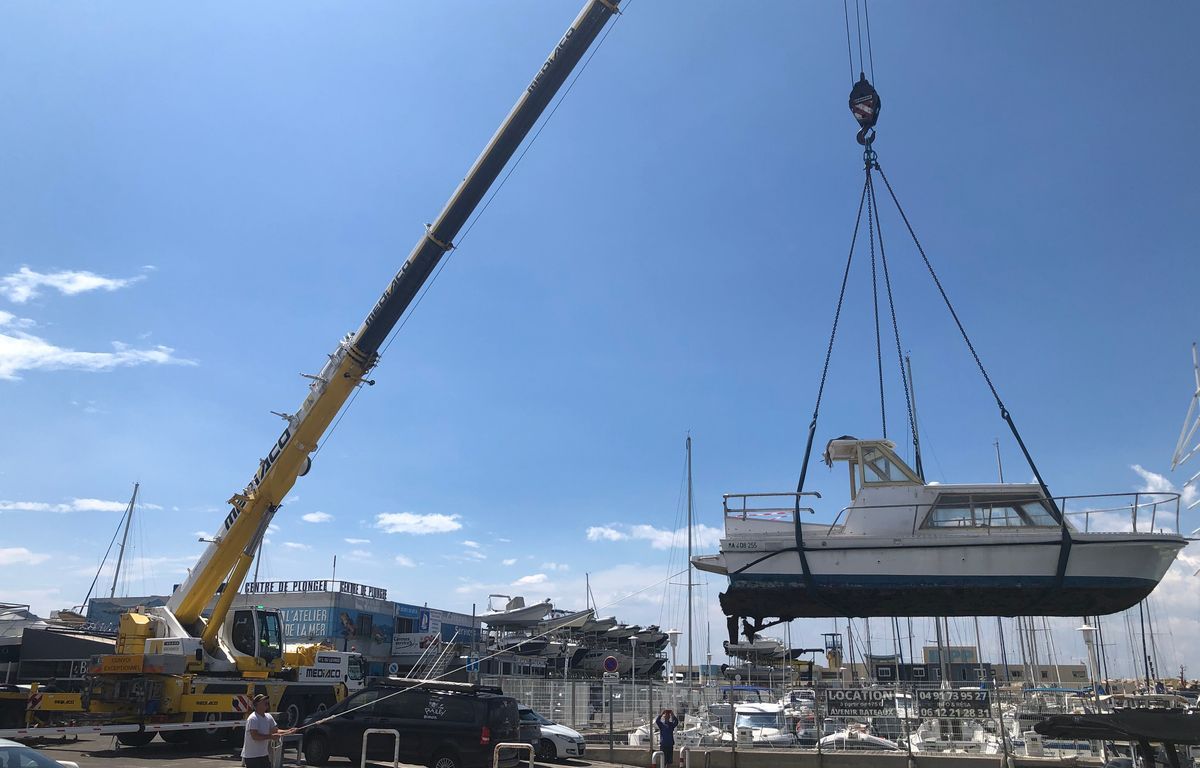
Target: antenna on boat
[999, 464]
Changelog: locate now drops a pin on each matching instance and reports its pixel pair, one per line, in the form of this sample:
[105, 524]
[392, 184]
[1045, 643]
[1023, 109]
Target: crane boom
[228, 557]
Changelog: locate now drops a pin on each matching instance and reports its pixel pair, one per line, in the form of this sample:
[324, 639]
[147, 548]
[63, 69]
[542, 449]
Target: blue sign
[610, 663]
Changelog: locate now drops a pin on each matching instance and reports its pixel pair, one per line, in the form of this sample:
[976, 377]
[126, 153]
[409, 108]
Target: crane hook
[865, 105]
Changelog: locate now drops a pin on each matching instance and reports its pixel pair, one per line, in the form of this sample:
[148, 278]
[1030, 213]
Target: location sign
[859, 702]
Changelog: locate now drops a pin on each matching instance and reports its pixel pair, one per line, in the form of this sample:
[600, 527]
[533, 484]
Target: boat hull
[1105, 574]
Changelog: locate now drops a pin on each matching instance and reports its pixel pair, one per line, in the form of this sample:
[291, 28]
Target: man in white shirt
[260, 729]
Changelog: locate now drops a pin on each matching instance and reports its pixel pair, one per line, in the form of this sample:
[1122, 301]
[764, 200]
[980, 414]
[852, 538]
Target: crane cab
[255, 637]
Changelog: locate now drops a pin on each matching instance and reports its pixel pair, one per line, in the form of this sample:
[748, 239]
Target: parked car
[14, 755]
[556, 741]
[440, 724]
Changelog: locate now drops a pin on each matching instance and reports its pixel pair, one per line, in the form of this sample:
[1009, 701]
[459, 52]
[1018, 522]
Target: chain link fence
[907, 718]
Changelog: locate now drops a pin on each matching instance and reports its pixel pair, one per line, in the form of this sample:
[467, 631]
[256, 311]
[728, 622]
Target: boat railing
[1138, 512]
[739, 506]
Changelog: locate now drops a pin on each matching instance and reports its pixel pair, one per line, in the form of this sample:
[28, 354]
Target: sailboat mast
[124, 539]
[691, 663]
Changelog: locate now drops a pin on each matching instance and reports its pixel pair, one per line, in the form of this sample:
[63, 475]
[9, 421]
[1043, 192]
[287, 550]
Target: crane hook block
[865, 105]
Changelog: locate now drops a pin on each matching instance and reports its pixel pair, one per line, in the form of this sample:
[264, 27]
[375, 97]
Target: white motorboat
[565, 620]
[909, 548]
[857, 739]
[762, 725]
[622, 632]
[946, 735]
[692, 732]
[516, 613]
[761, 649]
[596, 626]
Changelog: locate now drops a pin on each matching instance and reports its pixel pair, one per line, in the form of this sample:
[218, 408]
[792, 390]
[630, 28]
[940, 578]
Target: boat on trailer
[905, 547]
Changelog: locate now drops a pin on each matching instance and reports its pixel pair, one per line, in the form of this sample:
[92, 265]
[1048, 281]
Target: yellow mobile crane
[175, 667]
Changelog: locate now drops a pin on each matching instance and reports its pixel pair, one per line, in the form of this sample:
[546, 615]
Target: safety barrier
[395, 745]
[517, 745]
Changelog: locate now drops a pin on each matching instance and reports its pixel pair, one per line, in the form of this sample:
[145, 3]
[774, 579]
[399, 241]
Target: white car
[21, 756]
[558, 741]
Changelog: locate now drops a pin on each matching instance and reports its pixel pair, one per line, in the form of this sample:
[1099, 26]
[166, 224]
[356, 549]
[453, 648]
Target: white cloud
[201, 534]
[20, 351]
[604, 533]
[408, 522]
[703, 536]
[405, 562]
[8, 318]
[361, 554]
[555, 567]
[509, 561]
[25, 284]
[272, 528]
[296, 545]
[535, 578]
[1152, 482]
[316, 517]
[471, 544]
[74, 505]
[20, 556]
[357, 541]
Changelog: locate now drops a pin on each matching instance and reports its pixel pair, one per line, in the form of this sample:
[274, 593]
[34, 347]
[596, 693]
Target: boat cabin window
[956, 510]
[879, 467]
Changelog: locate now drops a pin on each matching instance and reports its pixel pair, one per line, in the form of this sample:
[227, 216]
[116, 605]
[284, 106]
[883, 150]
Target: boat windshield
[880, 467]
[960, 510]
[758, 720]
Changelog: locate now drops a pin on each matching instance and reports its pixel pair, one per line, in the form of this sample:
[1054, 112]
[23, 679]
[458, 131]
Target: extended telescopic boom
[228, 558]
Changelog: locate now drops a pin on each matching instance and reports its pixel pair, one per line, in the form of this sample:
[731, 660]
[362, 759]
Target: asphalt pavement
[103, 752]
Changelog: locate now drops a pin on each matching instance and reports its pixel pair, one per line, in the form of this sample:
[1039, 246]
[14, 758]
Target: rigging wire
[871, 219]
[849, 51]
[812, 427]
[858, 21]
[887, 281]
[870, 53]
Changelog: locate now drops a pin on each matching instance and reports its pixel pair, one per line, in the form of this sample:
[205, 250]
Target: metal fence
[905, 717]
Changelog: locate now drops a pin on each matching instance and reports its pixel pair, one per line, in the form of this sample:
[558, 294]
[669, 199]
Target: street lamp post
[1089, 639]
[674, 634]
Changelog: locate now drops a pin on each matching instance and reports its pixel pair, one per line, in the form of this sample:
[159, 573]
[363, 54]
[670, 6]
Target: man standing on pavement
[667, 723]
[260, 729]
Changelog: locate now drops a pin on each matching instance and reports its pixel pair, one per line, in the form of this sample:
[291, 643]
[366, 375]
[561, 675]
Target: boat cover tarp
[1167, 726]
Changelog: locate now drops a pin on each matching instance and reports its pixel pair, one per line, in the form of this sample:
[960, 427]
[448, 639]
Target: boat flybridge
[905, 547]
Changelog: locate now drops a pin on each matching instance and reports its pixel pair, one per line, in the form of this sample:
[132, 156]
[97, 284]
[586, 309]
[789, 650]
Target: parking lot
[102, 752]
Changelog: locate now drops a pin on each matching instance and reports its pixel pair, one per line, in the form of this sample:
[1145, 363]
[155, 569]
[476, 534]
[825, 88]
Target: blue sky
[242, 181]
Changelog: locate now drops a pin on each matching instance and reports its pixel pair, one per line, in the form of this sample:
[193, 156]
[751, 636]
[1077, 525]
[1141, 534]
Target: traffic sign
[610, 663]
[393, 668]
[611, 677]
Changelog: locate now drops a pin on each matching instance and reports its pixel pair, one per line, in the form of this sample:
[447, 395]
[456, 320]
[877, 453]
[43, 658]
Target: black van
[441, 725]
